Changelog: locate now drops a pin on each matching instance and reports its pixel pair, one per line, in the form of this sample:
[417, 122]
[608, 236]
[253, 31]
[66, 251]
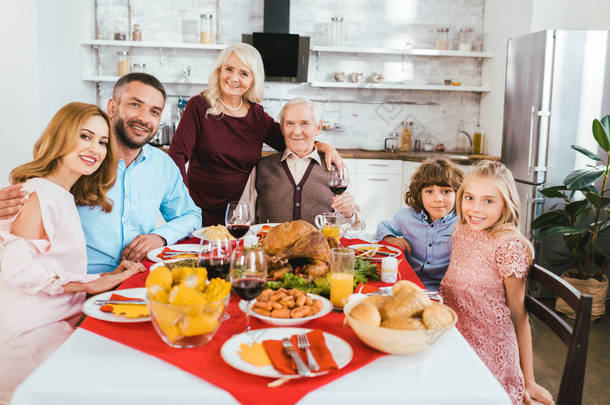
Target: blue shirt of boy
[430, 242]
[151, 184]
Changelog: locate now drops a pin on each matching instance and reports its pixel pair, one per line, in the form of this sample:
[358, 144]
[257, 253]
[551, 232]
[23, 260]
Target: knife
[302, 369]
[117, 302]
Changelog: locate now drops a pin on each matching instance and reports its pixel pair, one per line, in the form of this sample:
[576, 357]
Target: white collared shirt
[296, 165]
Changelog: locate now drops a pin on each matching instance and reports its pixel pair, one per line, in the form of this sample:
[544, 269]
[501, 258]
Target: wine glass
[216, 258]
[338, 180]
[238, 219]
[248, 275]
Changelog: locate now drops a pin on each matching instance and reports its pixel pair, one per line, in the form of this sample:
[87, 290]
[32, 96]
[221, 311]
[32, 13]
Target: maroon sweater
[221, 152]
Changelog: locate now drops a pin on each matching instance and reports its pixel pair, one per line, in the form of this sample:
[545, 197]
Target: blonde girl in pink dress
[43, 260]
[485, 281]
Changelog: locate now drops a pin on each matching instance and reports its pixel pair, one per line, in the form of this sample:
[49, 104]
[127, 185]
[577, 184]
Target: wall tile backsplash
[364, 116]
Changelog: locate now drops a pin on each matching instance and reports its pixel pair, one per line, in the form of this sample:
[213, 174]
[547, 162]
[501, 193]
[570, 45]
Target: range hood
[285, 56]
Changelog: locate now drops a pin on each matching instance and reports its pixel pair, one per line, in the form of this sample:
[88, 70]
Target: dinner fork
[303, 344]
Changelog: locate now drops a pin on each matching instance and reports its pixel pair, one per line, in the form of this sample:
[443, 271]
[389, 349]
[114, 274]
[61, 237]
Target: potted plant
[582, 220]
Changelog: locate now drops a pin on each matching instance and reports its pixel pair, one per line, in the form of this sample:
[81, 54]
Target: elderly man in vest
[294, 184]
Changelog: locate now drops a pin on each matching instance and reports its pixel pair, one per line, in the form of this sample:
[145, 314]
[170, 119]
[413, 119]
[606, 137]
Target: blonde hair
[58, 139]
[249, 57]
[503, 179]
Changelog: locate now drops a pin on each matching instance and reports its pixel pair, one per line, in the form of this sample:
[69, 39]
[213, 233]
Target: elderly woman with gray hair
[294, 184]
[222, 131]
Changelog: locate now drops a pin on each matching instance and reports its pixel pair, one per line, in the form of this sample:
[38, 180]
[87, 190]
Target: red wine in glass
[238, 219]
[338, 180]
[338, 189]
[218, 267]
[238, 230]
[248, 288]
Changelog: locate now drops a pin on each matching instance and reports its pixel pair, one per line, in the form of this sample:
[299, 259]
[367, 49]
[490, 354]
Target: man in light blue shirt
[148, 181]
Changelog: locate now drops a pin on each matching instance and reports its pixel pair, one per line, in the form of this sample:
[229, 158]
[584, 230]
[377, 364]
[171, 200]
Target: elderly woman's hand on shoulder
[332, 157]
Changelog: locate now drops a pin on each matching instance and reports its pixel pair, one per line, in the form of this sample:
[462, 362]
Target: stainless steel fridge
[557, 82]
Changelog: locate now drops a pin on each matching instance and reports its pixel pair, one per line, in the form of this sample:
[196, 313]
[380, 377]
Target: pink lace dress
[473, 287]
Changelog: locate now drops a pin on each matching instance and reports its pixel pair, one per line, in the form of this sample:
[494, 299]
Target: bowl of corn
[185, 307]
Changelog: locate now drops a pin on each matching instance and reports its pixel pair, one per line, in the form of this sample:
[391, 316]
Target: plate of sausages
[284, 307]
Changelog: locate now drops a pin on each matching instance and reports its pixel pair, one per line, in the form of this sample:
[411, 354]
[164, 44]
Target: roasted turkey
[296, 245]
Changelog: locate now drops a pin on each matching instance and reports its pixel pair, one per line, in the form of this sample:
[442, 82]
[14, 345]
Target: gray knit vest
[279, 200]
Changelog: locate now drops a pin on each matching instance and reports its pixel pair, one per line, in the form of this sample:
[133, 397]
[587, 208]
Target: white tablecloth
[90, 369]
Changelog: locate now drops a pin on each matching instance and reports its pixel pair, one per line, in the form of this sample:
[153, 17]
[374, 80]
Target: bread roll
[407, 302]
[405, 285]
[437, 316]
[367, 313]
[378, 300]
[403, 323]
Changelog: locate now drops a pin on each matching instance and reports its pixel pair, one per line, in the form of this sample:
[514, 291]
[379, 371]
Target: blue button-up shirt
[430, 242]
[150, 184]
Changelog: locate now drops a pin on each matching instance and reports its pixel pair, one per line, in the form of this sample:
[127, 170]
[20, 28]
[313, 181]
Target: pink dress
[473, 287]
[36, 316]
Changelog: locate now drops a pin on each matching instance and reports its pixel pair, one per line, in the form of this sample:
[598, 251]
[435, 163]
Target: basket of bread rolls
[402, 323]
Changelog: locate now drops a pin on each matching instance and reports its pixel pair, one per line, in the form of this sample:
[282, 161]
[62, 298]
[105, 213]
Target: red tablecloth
[206, 363]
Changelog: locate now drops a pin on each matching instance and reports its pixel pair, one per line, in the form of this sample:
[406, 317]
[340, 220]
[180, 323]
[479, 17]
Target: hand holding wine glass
[248, 275]
[238, 219]
[338, 180]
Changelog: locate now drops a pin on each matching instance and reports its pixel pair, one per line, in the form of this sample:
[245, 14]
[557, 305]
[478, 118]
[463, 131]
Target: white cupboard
[376, 187]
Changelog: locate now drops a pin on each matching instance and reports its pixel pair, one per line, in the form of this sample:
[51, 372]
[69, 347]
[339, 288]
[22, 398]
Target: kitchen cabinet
[408, 170]
[376, 187]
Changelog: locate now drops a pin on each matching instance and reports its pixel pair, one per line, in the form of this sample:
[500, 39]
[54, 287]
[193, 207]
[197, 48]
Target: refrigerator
[557, 82]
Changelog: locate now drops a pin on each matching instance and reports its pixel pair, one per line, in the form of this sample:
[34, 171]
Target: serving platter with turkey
[297, 247]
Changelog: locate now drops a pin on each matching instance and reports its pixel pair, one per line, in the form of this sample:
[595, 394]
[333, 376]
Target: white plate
[158, 264]
[326, 308]
[199, 233]
[254, 229]
[186, 247]
[93, 310]
[395, 251]
[339, 348]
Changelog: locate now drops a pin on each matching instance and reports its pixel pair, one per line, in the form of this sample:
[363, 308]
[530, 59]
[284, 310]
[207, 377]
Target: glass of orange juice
[342, 262]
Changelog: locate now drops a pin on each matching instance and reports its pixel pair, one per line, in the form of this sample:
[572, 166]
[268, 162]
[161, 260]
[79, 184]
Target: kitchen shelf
[397, 86]
[395, 51]
[145, 44]
[113, 79]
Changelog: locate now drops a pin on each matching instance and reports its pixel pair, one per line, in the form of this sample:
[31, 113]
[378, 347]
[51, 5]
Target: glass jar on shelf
[442, 39]
[138, 67]
[120, 29]
[137, 33]
[206, 28]
[336, 31]
[123, 65]
[407, 135]
[465, 39]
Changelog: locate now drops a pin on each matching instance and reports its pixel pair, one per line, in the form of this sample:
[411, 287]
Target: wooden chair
[576, 338]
